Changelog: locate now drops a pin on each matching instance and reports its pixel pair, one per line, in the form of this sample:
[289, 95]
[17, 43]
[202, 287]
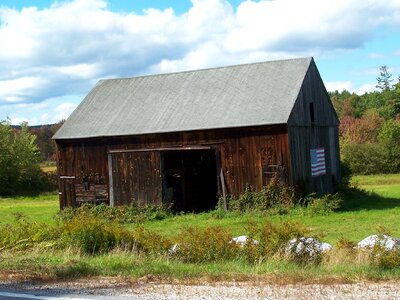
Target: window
[312, 116]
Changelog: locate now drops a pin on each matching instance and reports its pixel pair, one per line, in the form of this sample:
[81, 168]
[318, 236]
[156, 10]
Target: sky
[52, 53]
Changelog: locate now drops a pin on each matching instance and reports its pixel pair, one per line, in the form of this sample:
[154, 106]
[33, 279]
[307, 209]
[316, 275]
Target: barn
[183, 138]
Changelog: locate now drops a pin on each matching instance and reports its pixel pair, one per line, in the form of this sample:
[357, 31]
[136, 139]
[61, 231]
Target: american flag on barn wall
[318, 167]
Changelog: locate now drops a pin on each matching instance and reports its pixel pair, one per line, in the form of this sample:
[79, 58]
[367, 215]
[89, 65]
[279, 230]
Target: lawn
[360, 217]
[40, 208]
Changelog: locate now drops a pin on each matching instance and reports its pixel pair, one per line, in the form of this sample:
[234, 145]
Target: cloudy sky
[53, 52]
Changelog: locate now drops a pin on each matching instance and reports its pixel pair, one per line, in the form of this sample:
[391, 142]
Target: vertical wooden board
[137, 177]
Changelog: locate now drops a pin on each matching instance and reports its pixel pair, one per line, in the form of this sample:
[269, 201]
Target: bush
[93, 235]
[323, 205]
[367, 158]
[276, 194]
[24, 234]
[19, 161]
[121, 214]
[205, 245]
[273, 238]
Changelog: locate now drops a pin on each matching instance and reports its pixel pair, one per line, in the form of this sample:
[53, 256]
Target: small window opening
[312, 116]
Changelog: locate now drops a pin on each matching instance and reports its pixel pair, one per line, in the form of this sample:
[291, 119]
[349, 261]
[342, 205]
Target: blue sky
[53, 52]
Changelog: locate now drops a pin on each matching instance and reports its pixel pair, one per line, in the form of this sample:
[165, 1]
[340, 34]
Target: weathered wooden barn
[184, 137]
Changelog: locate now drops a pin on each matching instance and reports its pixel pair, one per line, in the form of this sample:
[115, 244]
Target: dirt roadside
[125, 288]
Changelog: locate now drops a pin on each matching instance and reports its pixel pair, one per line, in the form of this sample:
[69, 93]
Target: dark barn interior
[190, 180]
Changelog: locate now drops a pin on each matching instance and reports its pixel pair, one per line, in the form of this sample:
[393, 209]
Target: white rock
[242, 240]
[173, 249]
[307, 245]
[385, 241]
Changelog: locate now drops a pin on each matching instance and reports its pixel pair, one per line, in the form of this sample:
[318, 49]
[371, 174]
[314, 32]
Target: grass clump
[323, 205]
[94, 235]
[276, 195]
[210, 244]
[25, 233]
[121, 214]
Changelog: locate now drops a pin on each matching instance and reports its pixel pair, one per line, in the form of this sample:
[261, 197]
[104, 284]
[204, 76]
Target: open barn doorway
[190, 180]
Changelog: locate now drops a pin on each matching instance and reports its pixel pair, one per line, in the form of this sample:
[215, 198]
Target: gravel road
[120, 288]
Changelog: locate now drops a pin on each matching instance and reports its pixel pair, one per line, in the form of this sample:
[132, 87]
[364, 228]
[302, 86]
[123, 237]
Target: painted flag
[318, 167]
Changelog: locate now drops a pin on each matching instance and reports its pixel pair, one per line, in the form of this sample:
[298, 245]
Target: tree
[19, 156]
[389, 138]
[384, 80]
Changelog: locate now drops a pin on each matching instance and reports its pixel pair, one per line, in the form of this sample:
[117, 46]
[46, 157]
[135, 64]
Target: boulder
[307, 245]
[242, 240]
[387, 242]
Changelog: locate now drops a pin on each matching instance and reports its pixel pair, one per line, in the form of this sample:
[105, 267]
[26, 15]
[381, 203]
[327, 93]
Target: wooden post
[110, 179]
[223, 189]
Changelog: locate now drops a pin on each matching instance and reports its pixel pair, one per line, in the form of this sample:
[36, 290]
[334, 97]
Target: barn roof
[236, 96]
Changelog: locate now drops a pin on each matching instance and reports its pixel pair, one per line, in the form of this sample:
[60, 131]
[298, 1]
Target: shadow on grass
[359, 199]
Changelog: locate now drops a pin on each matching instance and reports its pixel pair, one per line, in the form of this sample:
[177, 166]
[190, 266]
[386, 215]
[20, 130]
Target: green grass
[361, 216]
[40, 208]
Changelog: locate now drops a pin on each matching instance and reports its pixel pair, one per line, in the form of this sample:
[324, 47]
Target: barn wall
[244, 154]
[305, 135]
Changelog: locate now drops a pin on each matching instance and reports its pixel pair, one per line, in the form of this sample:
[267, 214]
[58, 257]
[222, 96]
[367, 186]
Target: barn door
[67, 191]
[135, 177]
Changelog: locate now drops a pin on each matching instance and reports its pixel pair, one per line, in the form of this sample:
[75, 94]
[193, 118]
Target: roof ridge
[309, 58]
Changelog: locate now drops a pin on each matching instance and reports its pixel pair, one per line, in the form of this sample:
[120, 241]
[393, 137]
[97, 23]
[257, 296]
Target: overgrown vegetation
[279, 199]
[98, 240]
[122, 214]
[370, 127]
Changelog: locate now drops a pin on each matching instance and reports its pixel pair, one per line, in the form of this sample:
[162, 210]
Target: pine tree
[384, 79]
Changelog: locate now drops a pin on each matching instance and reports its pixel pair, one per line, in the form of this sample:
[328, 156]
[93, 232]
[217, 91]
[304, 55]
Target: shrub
[273, 238]
[323, 205]
[24, 234]
[150, 242]
[205, 245]
[276, 194]
[122, 214]
[93, 235]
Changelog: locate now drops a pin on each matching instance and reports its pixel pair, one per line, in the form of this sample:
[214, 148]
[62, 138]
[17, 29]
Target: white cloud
[376, 55]
[63, 110]
[338, 86]
[66, 48]
[18, 89]
[366, 88]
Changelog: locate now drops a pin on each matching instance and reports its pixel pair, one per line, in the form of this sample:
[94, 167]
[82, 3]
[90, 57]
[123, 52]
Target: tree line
[369, 129]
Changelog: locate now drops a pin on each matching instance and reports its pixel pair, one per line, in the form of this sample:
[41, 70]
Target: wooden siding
[313, 91]
[244, 156]
[302, 139]
[136, 178]
[307, 132]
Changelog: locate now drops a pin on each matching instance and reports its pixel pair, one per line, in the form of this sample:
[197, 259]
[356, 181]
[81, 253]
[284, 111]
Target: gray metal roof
[235, 96]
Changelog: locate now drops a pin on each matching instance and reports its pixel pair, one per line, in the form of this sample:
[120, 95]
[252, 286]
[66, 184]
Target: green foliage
[368, 158]
[272, 238]
[324, 205]
[389, 138]
[384, 80]
[95, 235]
[210, 244]
[369, 134]
[25, 233]
[19, 161]
[276, 195]
[122, 214]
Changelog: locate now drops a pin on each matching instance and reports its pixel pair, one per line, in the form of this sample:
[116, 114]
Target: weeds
[275, 195]
[205, 245]
[121, 214]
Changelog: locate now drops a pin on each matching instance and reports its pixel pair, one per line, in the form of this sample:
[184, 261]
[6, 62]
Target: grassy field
[360, 217]
[40, 208]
